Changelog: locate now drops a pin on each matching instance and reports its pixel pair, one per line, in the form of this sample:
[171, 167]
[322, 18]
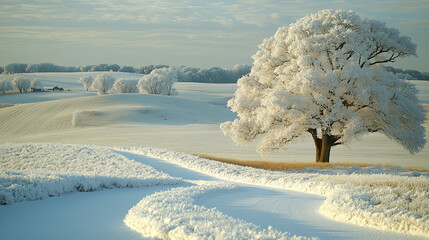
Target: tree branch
[391, 59]
[340, 46]
[329, 59]
[350, 53]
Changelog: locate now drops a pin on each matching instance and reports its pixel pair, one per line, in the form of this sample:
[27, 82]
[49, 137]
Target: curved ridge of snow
[172, 215]
[57, 116]
[382, 201]
[37, 171]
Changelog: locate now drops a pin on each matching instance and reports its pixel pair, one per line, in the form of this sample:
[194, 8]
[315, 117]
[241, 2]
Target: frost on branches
[86, 81]
[125, 85]
[103, 83]
[322, 75]
[159, 81]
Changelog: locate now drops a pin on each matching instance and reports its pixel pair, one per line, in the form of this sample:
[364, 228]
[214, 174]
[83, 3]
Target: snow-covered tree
[323, 75]
[5, 85]
[86, 81]
[125, 85]
[86, 68]
[102, 83]
[14, 68]
[405, 76]
[159, 81]
[36, 83]
[21, 84]
[127, 69]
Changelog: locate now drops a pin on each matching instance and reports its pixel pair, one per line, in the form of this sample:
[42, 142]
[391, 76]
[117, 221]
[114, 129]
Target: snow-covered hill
[188, 122]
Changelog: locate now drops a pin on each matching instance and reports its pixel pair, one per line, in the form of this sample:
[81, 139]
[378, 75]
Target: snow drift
[37, 171]
[382, 201]
[387, 201]
[172, 215]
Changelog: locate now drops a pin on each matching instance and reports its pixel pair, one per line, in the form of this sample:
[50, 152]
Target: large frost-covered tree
[323, 75]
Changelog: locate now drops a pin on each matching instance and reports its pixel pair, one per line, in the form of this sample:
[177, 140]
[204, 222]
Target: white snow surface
[167, 122]
[173, 215]
[382, 201]
[395, 200]
[37, 171]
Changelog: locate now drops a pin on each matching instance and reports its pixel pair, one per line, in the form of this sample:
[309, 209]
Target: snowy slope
[190, 120]
[101, 111]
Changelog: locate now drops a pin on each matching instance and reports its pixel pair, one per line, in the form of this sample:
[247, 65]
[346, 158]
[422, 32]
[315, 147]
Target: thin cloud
[204, 25]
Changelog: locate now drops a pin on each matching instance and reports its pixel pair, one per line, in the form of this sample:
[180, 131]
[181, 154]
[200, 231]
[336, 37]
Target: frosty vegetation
[190, 74]
[159, 81]
[21, 84]
[323, 75]
[5, 86]
[125, 85]
[173, 215]
[36, 83]
[103, 83]
[38, 171]
[86, 81]
[383, 201]
[185, 74]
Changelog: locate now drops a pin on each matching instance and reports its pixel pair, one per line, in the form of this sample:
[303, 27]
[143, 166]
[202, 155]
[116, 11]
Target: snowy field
[96, 163]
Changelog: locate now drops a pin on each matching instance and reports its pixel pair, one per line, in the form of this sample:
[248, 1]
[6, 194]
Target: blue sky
[177, 32]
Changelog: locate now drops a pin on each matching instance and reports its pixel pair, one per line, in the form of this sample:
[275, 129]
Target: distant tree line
[185, 74]
[408, 74]
[212, 74]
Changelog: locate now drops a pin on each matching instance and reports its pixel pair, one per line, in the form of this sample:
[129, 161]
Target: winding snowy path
[285, 210]
[99, 215]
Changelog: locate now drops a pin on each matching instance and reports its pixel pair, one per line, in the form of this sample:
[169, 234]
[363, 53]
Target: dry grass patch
[285, 166]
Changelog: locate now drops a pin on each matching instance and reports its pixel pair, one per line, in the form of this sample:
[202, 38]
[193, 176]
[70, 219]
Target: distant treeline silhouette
[187, 74]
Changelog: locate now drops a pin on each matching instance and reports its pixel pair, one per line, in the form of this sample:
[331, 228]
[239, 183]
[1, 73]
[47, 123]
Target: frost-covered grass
[173, 215]
[37, 171]
[382, 201]
[327, 168]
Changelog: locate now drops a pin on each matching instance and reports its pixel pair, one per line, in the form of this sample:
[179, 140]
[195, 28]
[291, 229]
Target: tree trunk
[323, 146]
[317, 143]
[326, 149]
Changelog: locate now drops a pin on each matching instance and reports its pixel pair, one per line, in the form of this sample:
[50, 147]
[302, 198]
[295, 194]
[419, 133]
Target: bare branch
[340, 46]
[350, 53]
[391, 59]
